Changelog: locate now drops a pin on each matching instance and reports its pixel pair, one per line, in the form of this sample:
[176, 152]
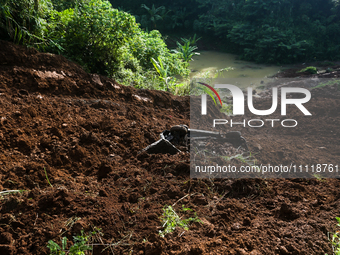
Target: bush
[109, 42]
[24, 22]
[145, 46]
[102, 39]
[137, 61]
[95, 34]
[309, 69]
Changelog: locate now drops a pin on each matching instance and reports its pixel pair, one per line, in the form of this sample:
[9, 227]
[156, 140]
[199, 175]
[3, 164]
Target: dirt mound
[86, 131]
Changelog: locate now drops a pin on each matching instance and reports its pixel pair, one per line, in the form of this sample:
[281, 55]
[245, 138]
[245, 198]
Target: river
[242, 74]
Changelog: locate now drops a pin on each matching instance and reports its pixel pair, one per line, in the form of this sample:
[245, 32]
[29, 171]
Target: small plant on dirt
[171, 220]
[309, 69]
[80, 245]
[335, 239]
[47, 177]
[227, 109]
[319, 177]
[249, 159]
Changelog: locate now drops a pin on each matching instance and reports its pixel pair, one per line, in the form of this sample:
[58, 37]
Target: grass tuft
[47, 177]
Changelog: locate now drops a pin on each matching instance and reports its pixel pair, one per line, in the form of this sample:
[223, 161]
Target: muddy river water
[241, 73]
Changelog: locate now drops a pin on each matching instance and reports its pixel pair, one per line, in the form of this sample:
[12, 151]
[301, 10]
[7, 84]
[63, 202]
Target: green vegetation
[227, 109]
[109, 41]
[271, 31]
[320, 178]
[80, 245]
[249, 160]
[335, 239]
[102, 39]
[171, 220]
[24, 22]
[187, 51]
[192, 41]
[47, 177]
[207, 77]
[154, 13]
[309, 69]
[329, 83]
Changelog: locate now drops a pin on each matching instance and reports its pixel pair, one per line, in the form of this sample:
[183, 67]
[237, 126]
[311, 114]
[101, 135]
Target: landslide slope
[86, 131]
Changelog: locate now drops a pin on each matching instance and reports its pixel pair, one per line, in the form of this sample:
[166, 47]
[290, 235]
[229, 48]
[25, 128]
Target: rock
[96, 79]
[49, 75]
[236, 226]
[255, 252]
[241, 252]
[283, 250]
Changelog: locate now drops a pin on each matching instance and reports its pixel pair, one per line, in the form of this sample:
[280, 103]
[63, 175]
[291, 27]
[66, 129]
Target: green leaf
[64, 243]
[338, 219]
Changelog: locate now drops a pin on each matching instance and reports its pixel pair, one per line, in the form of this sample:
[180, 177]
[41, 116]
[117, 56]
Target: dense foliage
[272, 31]
[112, 42]
[102, 39]
[24, 22]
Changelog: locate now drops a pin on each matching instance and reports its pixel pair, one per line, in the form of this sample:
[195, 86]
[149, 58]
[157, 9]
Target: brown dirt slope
[86, 131]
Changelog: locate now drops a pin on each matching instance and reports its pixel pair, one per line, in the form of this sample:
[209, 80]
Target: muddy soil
[86, 131]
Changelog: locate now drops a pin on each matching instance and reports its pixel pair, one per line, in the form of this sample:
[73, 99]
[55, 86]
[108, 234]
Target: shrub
[145, 46]
[102, 39]
[95, 35]
[24, 22]
[309, 69]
